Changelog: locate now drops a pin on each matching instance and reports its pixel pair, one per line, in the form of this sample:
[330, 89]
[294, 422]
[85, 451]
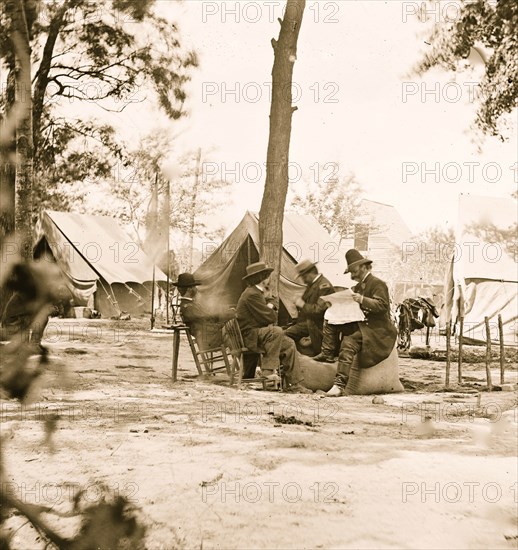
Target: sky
[407, 139]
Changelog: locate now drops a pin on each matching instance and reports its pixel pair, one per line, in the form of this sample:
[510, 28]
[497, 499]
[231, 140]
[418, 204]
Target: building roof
[386, 220]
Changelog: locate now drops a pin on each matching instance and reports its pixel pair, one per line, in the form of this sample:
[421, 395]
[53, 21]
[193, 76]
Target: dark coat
[204, 325]
[252, 313]
[314, 308]
[378, 331]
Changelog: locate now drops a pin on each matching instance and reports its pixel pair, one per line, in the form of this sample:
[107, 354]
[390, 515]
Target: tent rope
[113, 301]
[133, 293]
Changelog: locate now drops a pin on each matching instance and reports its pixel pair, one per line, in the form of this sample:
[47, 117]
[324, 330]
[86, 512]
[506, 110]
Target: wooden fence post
[461, 332]
[488, 354]
[448, 354]
[502, 349]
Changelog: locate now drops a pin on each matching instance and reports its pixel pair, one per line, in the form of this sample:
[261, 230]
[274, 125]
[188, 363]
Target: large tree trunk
[8, 159]
[271, 214]
[24, 138]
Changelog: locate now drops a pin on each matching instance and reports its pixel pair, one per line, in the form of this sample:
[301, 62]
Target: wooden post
[176, 352]
[502, 349]
[461, 332]
[167, 226]
[488, 354]
[448, 353]
[153, 299]
[153, 206]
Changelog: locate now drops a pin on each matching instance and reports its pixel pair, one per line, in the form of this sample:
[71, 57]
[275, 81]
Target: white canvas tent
[103, 267]
[482, 279]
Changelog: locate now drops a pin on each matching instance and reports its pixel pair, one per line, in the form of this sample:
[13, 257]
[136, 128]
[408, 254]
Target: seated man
[311, 306]
[372, 339]
[204, 325]
[256, 318]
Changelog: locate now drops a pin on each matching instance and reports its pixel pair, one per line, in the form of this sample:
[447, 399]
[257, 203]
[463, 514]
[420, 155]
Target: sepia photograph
[259, 274]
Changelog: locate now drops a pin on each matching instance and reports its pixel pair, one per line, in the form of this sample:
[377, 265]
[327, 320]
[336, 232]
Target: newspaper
[343, 308]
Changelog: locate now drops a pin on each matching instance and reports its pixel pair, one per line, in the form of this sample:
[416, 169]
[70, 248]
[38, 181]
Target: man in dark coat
[311, 307]
[256, 317]
[205, 325]
[372, 339]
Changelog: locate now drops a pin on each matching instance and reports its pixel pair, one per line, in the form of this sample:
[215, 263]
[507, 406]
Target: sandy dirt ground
[214, 467]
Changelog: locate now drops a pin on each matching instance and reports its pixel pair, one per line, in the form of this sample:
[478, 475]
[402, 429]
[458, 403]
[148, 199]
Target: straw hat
[257, 269]
[304, 266]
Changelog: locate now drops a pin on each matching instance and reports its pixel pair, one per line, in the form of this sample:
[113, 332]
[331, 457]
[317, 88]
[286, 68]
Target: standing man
[256, 318]
[205, 325]
[311, 307]
[372, 339]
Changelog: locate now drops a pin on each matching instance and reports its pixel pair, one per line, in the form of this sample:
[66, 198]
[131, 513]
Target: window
[361, 237]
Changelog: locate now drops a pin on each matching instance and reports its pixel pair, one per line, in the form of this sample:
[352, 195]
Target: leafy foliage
[35, 288]
[424, 257]
[75, 153]
[335, 203]
[103, 54]
[191, 199]
[490, 233]
[111, 522]
[495, 27]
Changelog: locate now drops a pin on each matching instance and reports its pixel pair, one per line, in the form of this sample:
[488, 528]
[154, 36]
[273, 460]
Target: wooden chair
[234, 341]
[206, 357]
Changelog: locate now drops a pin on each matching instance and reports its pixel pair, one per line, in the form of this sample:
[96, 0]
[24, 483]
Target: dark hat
[354, 259]
[304, 266]
[256, 269]
[185, 280]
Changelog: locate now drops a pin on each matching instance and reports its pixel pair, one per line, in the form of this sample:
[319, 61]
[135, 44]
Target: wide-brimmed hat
[304, 266]
[354, 259]
[257, 269]
[186, 280]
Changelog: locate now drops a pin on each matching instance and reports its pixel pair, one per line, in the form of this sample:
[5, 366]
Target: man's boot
[335, 391]
[298, 388]
[321, 358]
[338, 389]
[270, 379]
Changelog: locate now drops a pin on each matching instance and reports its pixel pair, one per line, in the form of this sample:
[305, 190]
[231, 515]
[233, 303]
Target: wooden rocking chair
[234, 341]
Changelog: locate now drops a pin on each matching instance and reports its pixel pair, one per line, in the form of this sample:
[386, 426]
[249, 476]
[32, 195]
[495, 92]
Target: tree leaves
[496, 28]
[425, 257]
[490, 233]
[111, 521]
[335, 203]
[102, 53]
